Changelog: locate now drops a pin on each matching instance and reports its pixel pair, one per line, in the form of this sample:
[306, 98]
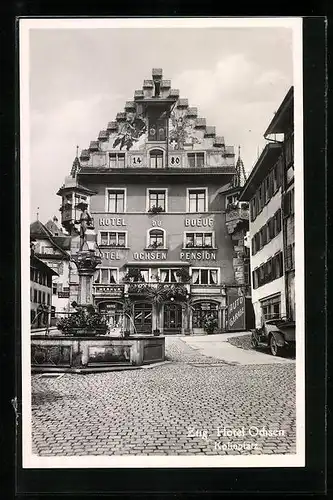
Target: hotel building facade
[155, 183]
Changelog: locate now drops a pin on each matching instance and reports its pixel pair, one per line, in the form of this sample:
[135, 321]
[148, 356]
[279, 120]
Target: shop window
[199, 240]
[106, 276]
[157, 200]
[156, 158]
[204, 276]
[116, 200]
[117, 160]
[113, 238]
[196, 160]
[197, 200]
[156, 238]
[203, 310]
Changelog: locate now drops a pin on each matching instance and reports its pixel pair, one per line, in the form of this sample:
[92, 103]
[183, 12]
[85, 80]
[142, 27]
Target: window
[156, 158]
[43, 297]
[271, 229]
[289, 150]
[116, 200]
[231, 201]
[266, 189]
[199, 240]
[253, 209]
[277, 221]
[255, 280]
[277, 266]
[39, 297]
[204, 276]
[106, 276]
[117, 160]
[80, 198]
[271, 308]
[169, 276]
[35, 296]
[196, 160]
[48, 299]
[113, 238]
[197, 200]
[156, 238]
[275, 179]
[201, 311]
[157, 200]
[157, 128]
[264, 235]
[290, 257]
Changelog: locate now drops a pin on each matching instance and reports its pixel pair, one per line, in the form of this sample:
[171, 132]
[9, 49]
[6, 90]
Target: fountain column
[86, 259]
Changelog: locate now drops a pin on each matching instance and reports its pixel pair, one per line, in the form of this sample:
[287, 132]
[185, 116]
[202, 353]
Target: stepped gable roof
[39, 231]
[153, 90]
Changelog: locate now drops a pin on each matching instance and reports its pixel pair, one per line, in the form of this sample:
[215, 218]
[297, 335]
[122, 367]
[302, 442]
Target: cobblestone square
[193, 405]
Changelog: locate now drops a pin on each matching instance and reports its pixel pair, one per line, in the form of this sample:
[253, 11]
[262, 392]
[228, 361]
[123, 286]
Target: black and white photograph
[162, 212]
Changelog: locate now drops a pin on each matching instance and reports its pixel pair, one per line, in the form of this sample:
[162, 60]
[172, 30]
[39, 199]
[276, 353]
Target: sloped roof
[34, 261]
[53, 228]
[40, 231]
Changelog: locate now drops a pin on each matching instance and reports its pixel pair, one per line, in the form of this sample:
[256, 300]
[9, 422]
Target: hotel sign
[201, 222]
[111, 221]
[149, 255]
[198, 255]
[236, 312]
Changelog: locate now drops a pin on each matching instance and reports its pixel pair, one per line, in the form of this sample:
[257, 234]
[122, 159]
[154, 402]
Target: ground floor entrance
[143, 317]
[172, 319]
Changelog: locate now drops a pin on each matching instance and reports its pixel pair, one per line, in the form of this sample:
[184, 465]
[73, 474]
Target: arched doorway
[172, 318]
[200, 311]
[143, 317]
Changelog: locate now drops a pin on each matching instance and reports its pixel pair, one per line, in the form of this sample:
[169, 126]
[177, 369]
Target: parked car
[276, 333]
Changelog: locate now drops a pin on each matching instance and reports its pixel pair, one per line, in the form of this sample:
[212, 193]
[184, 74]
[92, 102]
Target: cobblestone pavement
[179, 408]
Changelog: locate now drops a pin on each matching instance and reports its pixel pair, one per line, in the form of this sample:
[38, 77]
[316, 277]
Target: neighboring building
[40, 291]
[283, 123]
[271, 230]
[52, 247]
[154, 184]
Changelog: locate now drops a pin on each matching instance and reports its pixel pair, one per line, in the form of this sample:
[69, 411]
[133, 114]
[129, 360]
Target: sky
[81, 78]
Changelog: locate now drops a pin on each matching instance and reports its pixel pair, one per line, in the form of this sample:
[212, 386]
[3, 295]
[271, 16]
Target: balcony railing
[236, 213]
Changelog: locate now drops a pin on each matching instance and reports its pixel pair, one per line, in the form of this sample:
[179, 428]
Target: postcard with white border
[161, 165]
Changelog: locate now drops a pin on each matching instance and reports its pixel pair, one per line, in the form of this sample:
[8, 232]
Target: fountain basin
[65, 353]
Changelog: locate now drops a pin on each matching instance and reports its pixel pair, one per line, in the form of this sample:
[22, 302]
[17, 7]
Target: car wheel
[273, 347]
